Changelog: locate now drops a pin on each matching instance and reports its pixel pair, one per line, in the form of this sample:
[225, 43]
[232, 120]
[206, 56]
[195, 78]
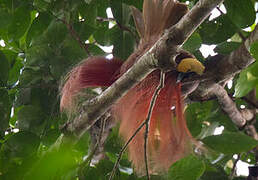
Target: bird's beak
[180, 77]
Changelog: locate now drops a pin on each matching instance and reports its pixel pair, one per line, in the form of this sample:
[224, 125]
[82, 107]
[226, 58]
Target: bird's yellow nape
[190, 65]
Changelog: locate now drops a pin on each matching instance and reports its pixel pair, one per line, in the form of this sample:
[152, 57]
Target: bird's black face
[181, 76]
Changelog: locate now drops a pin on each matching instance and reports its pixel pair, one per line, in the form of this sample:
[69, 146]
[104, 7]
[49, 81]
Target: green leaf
[84, 30]
[136, 3]
[121, 12]
[20, 23]
[247, 80]
[214, 175]
[196, 113]
[254, 50]
[226, 48]
[5, 18]
[188, 168]
[89, 12]
[38, 55]
[56, 33]
[37, 27]
[21, 144]
[241, 12]
[123, 43]
[193, 43]
[4, 69]
[30, 118]
[5, 110]
[50, 137]
[217, 30]
[15, 65]
[230, 142]
[96, 51]
[102, 36]
[53, 164]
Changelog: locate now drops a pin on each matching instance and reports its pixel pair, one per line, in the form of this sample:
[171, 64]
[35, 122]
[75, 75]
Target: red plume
[169, 137]
[92, 72]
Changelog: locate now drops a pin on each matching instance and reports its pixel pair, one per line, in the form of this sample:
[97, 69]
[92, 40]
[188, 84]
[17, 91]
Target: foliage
[43, 40]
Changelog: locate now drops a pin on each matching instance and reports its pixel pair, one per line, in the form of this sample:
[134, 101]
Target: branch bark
[228, 105]
[219, 69]
[161, 55]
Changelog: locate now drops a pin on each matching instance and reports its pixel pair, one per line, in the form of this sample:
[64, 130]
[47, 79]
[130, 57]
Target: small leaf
[37, 27]
[123, 43]
[241, 12]
[247, 80]
[188, 168]
[30, 118]
[4, 69]
[20, 22]
[254, 50]
[21, 144]
[5, 110]
[193, 43]
[196, 113]
[121, 12]
[230, 142]
[217, 30]
[5, 18]
[226, 48]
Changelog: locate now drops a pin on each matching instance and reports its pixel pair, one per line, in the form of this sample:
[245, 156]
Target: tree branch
[159, 56]
[228, 105]
[219, 69]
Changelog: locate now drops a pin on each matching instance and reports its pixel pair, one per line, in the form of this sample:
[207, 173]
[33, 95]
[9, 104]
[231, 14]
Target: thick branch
[228, 105]
[158, 56]
[220, 69]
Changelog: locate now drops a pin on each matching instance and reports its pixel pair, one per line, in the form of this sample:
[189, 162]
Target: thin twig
[233, 171]
[123, 149]
[69, 27]
[122, 27]
[152, 103]
[87, 162]
[75, 35]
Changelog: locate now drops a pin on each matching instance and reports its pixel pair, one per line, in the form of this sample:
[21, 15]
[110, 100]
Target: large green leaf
[241, 12]
[37, 27]
[218, 30]
[254, 50]
[20, 22]
[20, 145]
[230, 142]
[5, 18]
[196, 113]
[55, 163]
[89, 12]
[123, 43]
[120, 11]
[56, 32]
[226, 48]
[5, 110]
[15, 65]
[188, 168]
[247, 80]
[193, 43]
[4, 69]
[30, 118]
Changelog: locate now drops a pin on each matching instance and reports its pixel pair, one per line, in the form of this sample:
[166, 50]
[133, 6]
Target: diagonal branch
[159, 56]
[219, 69]
[228, 105]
